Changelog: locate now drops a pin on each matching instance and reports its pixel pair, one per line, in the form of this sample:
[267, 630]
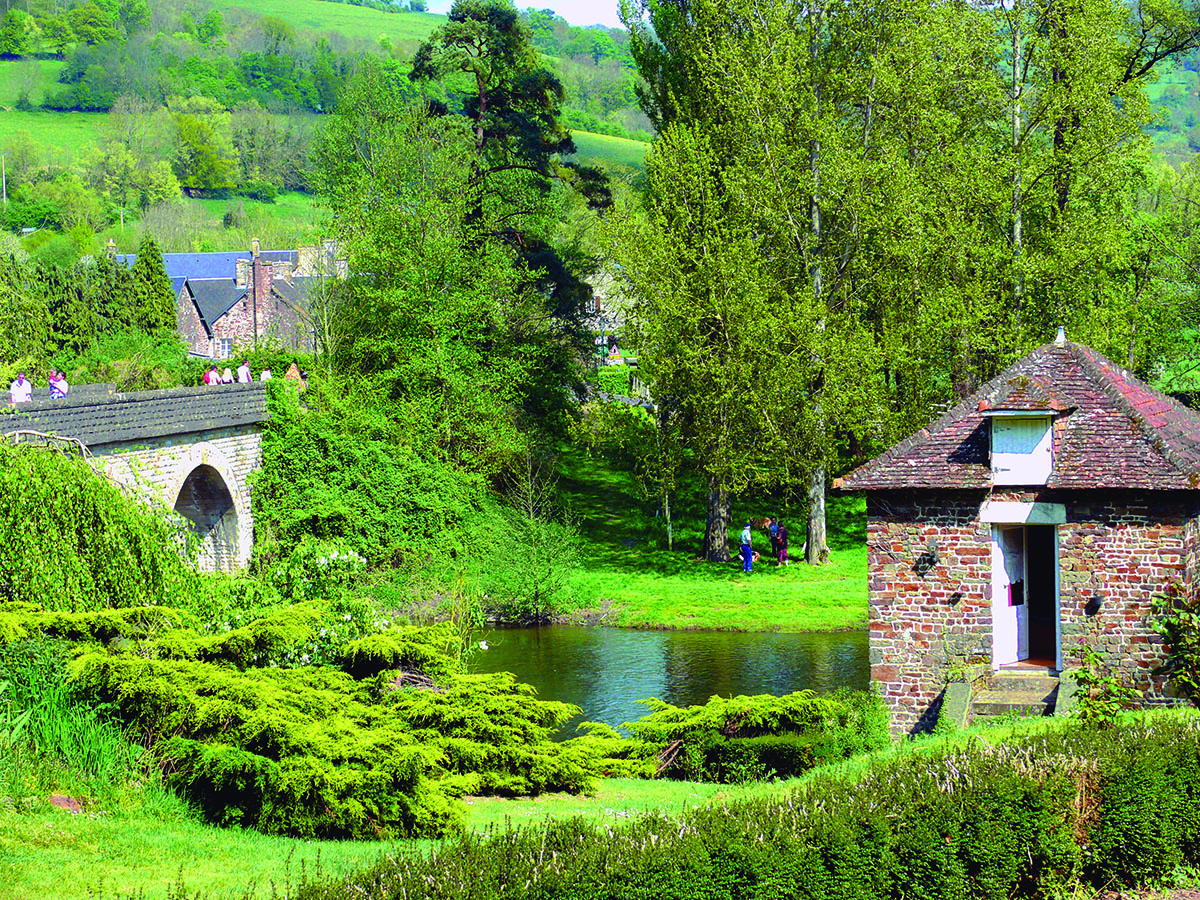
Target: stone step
[1038, 680]
[1022, 703]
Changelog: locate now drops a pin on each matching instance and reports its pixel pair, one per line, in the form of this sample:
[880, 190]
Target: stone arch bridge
[188, 448]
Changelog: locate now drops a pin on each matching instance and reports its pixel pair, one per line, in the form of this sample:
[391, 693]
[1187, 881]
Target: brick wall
[925, 617]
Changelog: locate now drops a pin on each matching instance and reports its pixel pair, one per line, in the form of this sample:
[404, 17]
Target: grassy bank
[151, 849]
[627, 569]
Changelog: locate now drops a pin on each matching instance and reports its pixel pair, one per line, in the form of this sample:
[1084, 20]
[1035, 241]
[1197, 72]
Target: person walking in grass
[773, 530]
[781, 539]
[747, 550]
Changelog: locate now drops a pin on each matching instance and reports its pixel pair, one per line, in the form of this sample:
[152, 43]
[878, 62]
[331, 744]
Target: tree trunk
[816, 548]
[716, 525]
[1017, 221]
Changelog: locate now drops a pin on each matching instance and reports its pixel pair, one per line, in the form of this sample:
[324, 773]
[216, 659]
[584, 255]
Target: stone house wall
[189, 326]
[274, 316]
[930, 585]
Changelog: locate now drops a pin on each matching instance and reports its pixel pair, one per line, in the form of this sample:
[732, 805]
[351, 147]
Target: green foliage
[71, 540]
[1176, 616]
[613, 380]
[740, 739]
[1032, 817]
[52, 724]
[525, 551]
[1101, 694]
[153, 299]
[324, 477]
[312, 751]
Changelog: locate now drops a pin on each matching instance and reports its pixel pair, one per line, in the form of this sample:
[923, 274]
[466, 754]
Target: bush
[263, 191]
[1028, 818]
[71, 540]
[613, 380]
[741, 739]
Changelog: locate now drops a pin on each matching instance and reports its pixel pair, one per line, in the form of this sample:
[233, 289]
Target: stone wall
[188, 323]
[262, 308]
[158, 469]
[930, 585]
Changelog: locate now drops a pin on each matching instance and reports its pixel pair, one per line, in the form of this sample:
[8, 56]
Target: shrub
[740, 739]
[1028, 818]
[71, 540]
[613, 379]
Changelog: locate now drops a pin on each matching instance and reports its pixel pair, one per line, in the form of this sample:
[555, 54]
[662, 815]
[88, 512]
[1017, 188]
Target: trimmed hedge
[1028, 818]
[613, 380]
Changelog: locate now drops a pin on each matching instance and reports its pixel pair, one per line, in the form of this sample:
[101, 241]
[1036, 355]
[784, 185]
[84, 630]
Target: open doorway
[1024, 595]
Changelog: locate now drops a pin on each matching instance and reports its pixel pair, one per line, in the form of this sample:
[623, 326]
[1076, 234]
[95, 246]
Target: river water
[607, 670]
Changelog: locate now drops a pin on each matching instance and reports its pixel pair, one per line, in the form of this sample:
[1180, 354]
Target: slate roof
[1111, 431]
[196, 265]
[215, 296]
[297, 292]
[141, 415]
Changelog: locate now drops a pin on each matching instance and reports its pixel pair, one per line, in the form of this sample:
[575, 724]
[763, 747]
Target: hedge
[1028, 818]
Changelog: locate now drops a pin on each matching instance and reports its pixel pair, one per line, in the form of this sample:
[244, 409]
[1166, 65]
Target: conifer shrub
[742, 738]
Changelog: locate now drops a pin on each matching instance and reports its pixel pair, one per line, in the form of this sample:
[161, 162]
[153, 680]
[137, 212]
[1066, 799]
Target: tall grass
[63, 742]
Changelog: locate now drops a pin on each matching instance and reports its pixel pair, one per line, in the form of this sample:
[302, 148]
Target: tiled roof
[215, 296]
[1111, 431]
[140, 415]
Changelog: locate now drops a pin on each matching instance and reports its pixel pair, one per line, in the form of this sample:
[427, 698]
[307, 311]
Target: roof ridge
[1087, 359]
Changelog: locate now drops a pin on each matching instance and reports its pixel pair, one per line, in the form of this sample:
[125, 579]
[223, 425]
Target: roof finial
[1061, 340]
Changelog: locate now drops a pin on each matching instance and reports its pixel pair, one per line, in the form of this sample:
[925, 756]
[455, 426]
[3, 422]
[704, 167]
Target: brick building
[1044, 512]
[225, 300]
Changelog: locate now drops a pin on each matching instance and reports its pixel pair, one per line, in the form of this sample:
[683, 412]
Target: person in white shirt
[244, 376]
[266, 375]
[21, 390]
[58, 385]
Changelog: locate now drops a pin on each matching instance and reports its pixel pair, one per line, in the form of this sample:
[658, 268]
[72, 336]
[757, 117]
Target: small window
[224, 348]
[1021, 449]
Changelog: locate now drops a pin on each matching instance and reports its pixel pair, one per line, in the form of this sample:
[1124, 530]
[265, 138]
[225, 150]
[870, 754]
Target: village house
[226, 300]
[1043, 513]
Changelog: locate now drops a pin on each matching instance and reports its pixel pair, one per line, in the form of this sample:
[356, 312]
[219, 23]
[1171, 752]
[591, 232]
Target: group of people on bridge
[214, 377]
[21, 390]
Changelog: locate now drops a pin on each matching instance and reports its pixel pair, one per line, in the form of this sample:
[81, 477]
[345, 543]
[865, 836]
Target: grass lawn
[46, 852]
[64, 132]
[626, 565]
[350, 21]
[616, 150]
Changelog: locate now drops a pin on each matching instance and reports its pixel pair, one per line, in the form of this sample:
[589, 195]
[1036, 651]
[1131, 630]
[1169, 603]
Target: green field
[351, 21]
[627, 569]
[615, 150]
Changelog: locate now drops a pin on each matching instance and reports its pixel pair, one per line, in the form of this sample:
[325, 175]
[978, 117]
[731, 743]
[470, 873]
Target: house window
[223, 348]
[1021, 449]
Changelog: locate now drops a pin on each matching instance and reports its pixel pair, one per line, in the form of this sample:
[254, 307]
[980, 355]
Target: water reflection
[607, 670]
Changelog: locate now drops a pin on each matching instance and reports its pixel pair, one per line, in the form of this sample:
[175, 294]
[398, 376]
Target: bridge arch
[207, 493]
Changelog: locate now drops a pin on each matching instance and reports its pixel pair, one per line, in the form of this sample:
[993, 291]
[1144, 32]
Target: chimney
[1061, 339]
[254, 248]
[242, 274]
[111, 249]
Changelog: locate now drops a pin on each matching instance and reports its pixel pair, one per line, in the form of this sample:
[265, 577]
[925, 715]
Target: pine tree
[152, 299]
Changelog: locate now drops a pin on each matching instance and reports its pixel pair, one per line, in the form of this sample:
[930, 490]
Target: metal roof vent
[1061, 339]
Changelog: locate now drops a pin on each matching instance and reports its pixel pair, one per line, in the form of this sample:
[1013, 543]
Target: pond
[607, 670]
